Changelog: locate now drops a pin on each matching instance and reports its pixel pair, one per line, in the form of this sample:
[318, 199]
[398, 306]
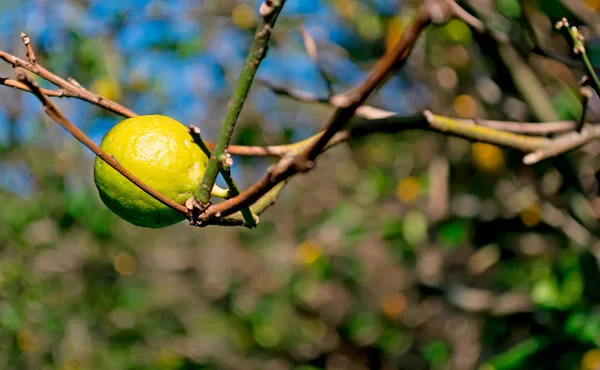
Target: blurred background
[407, 251]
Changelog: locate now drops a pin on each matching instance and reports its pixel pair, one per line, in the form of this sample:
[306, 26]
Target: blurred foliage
[412, 251]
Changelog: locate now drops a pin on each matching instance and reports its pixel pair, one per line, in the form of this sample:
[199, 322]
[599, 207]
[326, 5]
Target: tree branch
[563, 144]
[300, 157]
[67, 89]
[292, 164]
[355, 98]
[269, 11]
[54, 113]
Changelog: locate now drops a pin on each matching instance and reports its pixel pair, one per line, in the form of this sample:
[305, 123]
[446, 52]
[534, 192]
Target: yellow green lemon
[161, 152]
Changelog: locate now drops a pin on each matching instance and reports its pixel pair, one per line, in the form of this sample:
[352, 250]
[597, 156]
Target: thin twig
[21, 86]
[578, 42]
[357, 97]
[27, 43]
[68, 89]
[54, 113]
[563, 144]
[311, 49]
[195, 132]
[465, 16]
[531, 128]
[269, 13]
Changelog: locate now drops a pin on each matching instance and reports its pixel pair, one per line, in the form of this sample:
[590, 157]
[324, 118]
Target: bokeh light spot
[125, 264]
[458, 56]
[308, 252]
[347, 8]
[27, 341]
[393, 305]
[591, 360]
[457, 31]
[394, 29]
[408, 189]
[531, 215]
[447, 78]
[465, 106]
[487, 157]
[243, 16]
[107, 88]
[593, 4]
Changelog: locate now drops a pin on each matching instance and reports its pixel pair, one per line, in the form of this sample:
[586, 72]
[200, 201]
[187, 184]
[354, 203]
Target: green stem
[464, 129]
[591, 72]
[258, 51]
[579, 48]
[234, 190]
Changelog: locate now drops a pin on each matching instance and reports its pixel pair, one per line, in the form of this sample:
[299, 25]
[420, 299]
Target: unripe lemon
[160, 152]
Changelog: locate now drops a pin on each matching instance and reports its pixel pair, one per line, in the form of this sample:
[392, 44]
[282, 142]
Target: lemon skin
[160, 152]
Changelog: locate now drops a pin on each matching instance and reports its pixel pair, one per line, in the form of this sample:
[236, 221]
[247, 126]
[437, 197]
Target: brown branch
[357, 97]
[563, 144]
[468, 18]
[54, 113]
[68, 89]
[27, 43]
[531, 128]
[21, 86]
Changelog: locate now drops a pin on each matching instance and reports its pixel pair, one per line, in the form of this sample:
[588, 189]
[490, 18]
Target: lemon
[160, 152]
